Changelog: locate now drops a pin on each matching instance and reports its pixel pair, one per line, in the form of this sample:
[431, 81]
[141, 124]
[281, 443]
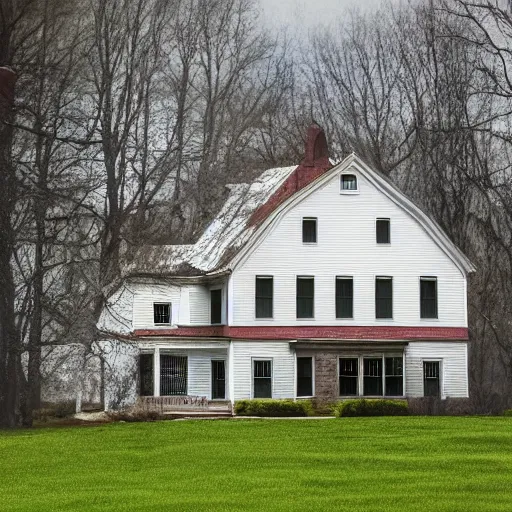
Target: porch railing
[165, 403]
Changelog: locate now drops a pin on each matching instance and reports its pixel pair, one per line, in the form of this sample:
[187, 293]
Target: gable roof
[251, 208]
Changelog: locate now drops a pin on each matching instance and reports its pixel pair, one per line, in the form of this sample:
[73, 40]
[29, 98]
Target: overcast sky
[309, 12]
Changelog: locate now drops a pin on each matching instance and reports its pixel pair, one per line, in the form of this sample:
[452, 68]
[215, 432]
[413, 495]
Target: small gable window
[162, 313]
[309, 230]
[348, 183]
[383, 229]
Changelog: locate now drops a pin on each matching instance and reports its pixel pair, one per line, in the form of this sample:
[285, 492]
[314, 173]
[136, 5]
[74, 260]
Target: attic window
[162, 313]
[348, 183]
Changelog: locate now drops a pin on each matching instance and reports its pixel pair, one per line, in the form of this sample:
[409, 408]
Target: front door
[218, 380]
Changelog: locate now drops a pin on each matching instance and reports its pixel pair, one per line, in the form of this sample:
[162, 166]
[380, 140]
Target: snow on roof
[227, 233]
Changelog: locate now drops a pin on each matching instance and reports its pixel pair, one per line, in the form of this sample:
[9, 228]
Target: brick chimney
[316, 157]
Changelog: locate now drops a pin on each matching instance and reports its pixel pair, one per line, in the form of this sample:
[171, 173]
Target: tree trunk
[9, 343]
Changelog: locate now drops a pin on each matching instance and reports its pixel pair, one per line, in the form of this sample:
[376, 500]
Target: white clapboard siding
[199, 305]
[453, 367]
[347, 247]
[283, 367]
[145, 295]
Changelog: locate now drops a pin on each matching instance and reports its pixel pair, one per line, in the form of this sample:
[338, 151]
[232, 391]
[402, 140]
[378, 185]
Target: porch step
[198, 414]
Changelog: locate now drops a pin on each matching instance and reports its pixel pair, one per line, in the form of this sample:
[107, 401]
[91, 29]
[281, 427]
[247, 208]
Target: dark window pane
[264, 297]
[146, 374]
[428, 297]
[173, 375]
[309, 231]
[372, 383]
[305, 297]
[218, 380]
[383, 298]
[348, 182]
[216, 306]
[394, 376]
[162, 313]
[431, 385]
[304, 376]
[262, 379]
[383, 231]
[349, 371]
[344, 297]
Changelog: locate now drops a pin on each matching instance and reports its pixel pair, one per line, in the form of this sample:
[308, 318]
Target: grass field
[356, 464]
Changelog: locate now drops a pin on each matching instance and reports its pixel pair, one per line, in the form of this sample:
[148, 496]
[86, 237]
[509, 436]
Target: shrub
[141, 411]
[435, 406]
[508, 412]
[55, 410]
[268, 407]
[371, 407]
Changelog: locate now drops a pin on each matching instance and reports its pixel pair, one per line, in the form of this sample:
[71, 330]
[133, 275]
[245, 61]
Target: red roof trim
[307, 332]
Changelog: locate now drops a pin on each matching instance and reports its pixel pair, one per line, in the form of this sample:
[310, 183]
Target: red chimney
[315, 162]
[316, 157]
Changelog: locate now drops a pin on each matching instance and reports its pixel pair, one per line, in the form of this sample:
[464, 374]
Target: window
[305, 297]
[428, 297]
[344, 297]
[349, 372]
[379, 375]
[173, 375]
[304, 376]
[372, 382]
[264, 296]
[348, 183]
[384, 297]
[218, 380]
[431, 385]
[162, 313]
[216, 306]
[309, 230]
[394, 376]
[262, 385]
[383, 231]
[146, 374]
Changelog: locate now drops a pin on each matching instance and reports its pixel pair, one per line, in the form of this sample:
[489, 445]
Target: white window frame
[162, 303]
[345, 319]
[271, 374]
[349, 192]
[360, 374]
[439, 360]
[428, 278]
[222, 305]
[312, 377]
[386, 244]
[392, 279]
[316, 230]
[303, 276]
[267, 318]
[226, 390]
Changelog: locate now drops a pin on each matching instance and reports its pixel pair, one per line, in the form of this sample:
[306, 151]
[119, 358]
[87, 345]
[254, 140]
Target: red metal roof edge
[308, 332]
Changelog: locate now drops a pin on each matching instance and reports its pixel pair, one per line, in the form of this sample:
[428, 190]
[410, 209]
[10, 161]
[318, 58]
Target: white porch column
[231, 373]
[156, 372]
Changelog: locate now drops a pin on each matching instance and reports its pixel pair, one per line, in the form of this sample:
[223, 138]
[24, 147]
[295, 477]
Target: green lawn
[356, 464]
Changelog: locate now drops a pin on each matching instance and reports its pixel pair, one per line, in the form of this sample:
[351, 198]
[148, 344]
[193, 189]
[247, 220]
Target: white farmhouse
[315, 280]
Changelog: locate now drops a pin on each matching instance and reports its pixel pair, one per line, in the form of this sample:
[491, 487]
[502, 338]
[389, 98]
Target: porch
[189, 376]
